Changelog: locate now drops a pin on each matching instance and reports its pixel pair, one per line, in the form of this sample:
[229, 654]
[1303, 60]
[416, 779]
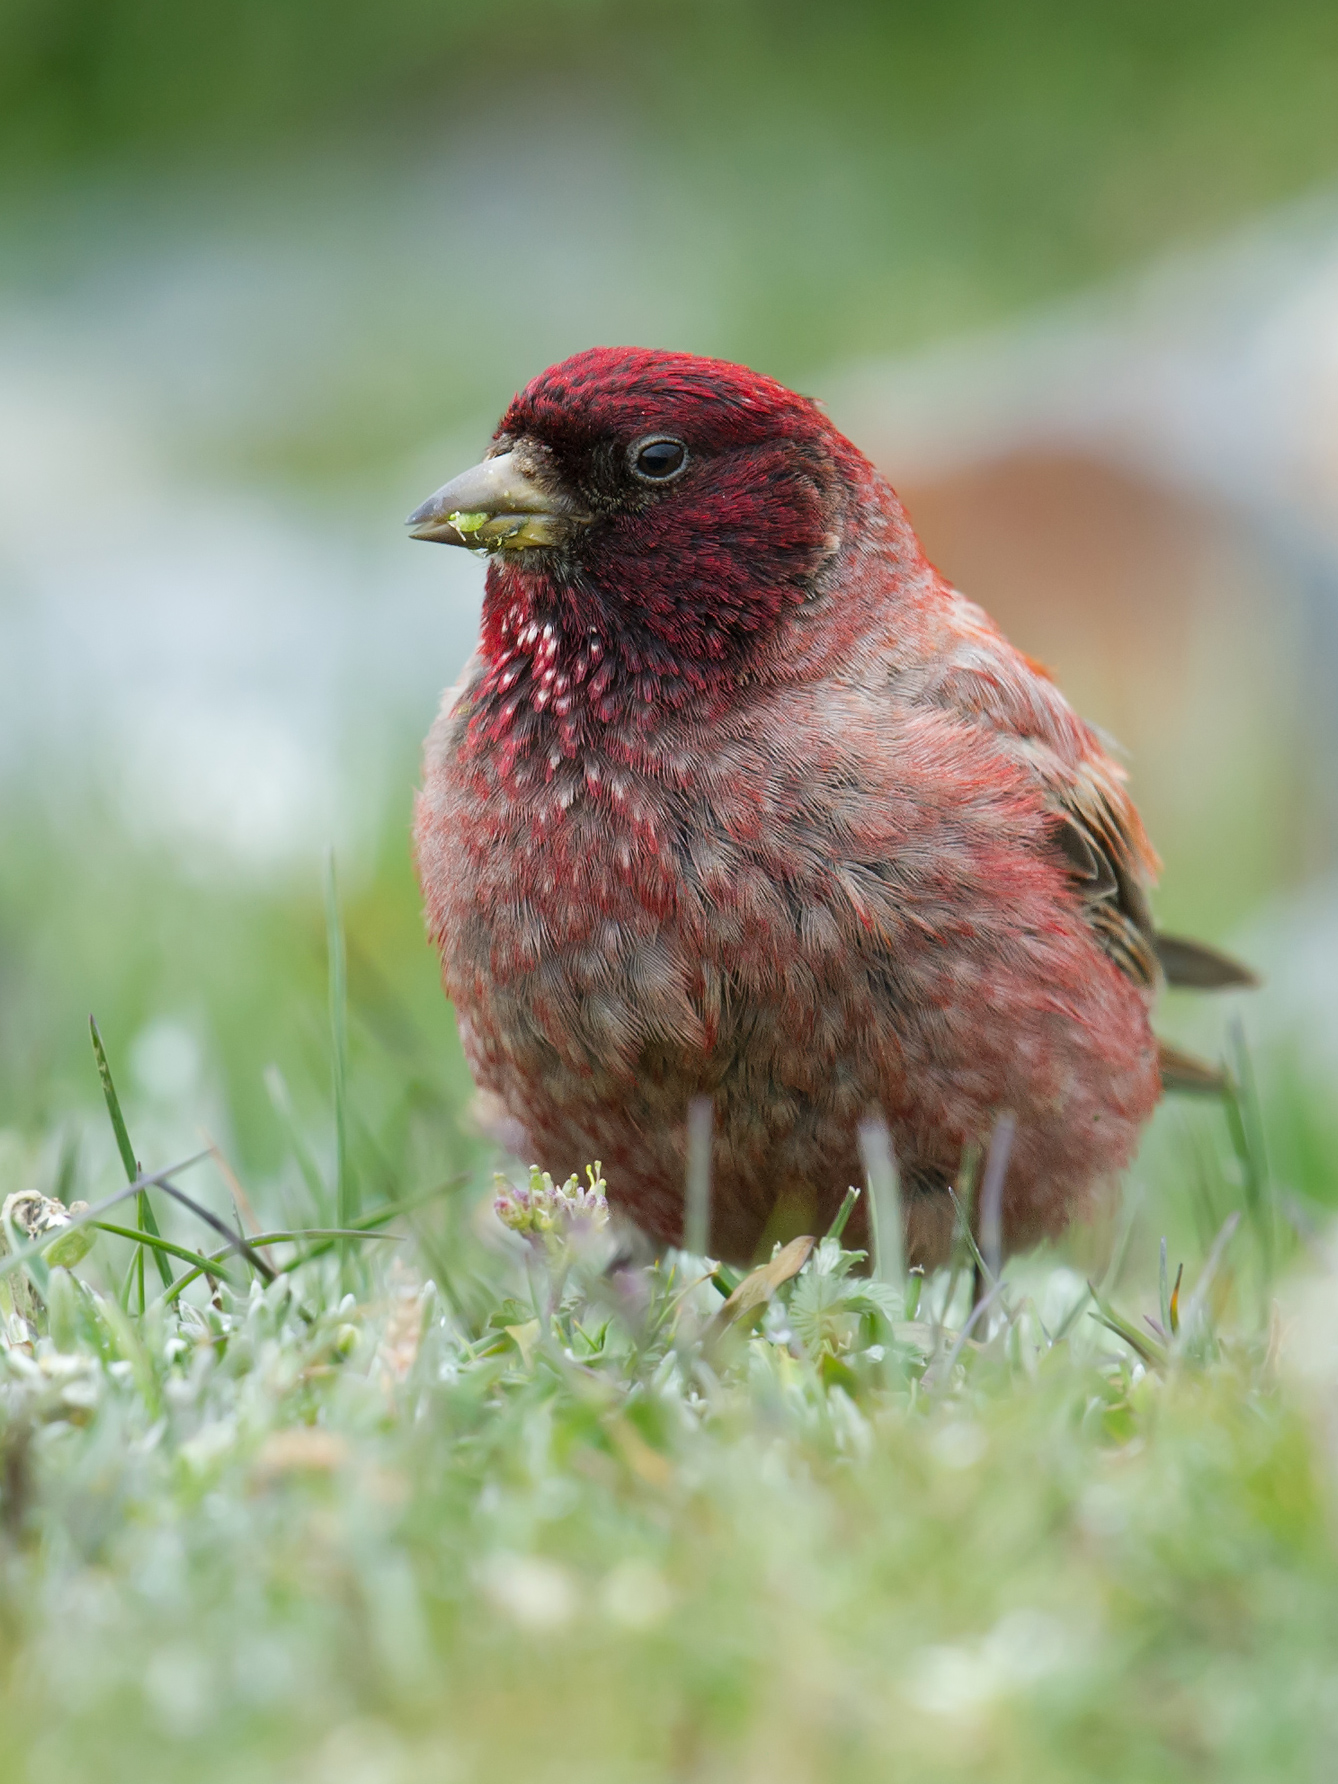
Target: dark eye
[658, 460]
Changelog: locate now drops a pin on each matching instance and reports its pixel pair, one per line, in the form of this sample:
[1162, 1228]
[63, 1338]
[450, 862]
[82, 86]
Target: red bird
[738, 798]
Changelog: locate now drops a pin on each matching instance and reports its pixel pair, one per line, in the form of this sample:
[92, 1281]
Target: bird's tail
[1196, 967]
[1182, 1071]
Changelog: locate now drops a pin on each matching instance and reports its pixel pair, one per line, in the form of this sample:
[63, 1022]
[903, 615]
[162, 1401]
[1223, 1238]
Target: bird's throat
[563, 670]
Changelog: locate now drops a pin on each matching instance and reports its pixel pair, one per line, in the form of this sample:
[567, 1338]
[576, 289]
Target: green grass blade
[346, 1189]
[697, 1215]
[128, 1281]
[297, 1234]
[113, 1101]
[885, 1230]
[1164, 1289]
[944, 1370]
[973, 1250]
[1141, 1343]
[1069, 1320]
[327, 1237]
[149, 1242]
[1198, 1301]
[206, 1266]
[843, 1213]
[236, 1241]
[991, 1195]
[133, 1169]
[381, 1216]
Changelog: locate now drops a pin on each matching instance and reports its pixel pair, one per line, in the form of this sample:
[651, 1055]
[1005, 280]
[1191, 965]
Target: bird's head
[685, 502]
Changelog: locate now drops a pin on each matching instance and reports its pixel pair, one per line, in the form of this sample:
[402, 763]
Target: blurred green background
[270, 271]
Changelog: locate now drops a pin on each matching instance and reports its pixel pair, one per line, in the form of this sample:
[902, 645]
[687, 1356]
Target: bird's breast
[562, 898]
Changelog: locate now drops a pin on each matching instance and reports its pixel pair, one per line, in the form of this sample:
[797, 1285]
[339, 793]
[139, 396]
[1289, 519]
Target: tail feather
[1198, 967]
[1182, 1071]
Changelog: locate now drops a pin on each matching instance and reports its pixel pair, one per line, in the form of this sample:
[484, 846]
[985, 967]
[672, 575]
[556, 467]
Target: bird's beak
[499, 505]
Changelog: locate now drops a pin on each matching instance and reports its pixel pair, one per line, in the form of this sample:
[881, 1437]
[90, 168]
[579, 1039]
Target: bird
[739, 799]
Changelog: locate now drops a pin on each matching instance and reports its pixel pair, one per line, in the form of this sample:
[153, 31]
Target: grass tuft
[498, 1501]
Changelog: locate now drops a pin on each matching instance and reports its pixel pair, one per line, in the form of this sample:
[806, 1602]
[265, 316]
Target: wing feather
[1096, 831]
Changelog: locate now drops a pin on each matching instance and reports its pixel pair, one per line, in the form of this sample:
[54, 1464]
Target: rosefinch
[738, 798]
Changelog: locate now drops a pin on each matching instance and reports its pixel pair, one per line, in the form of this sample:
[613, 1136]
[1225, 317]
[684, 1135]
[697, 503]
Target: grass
[417, 1489]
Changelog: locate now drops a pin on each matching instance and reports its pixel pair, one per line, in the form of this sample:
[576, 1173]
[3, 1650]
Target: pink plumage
[739, 798]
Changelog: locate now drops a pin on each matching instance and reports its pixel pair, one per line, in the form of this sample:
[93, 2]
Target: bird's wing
[1097, 831]
[1099, 835]
[1112, 863]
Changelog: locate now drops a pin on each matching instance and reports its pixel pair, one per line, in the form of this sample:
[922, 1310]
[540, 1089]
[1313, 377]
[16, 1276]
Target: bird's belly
[606, 971]
[597, 1048]
[594, 1063]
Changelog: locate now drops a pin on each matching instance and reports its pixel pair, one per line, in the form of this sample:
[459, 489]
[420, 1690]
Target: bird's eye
[658, 460]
